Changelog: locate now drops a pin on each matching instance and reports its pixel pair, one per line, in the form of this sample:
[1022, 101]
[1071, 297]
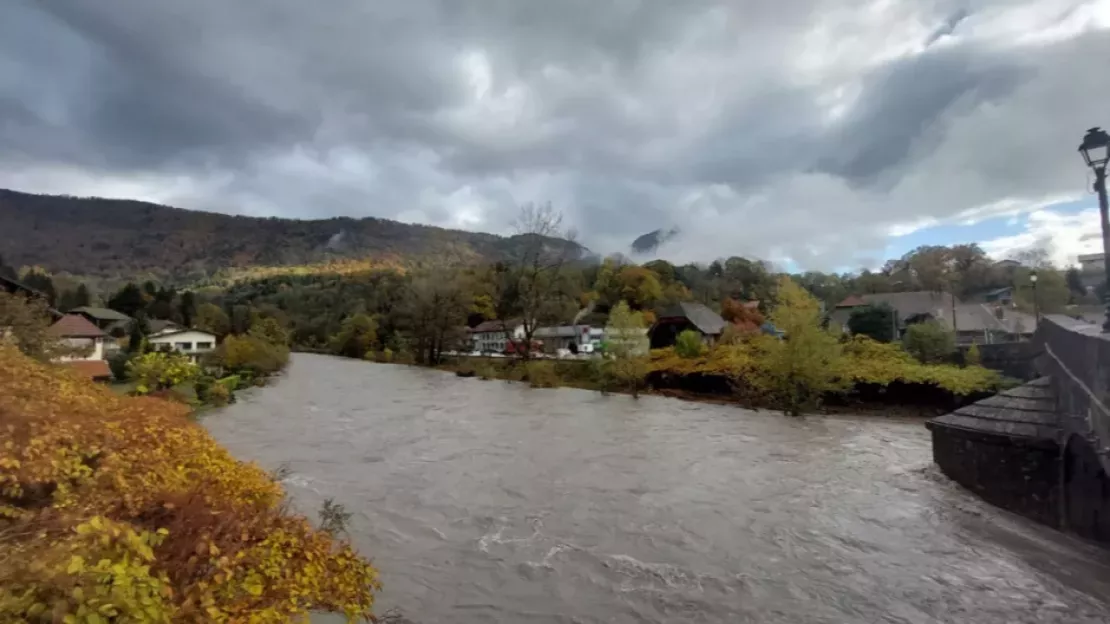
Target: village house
[111, 321]
[975, 323]
[673, 320]
[191, 342]
[86, 343]
[496, 336]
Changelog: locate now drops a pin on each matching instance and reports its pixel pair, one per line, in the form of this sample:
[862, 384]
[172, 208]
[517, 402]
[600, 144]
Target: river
[486, 501]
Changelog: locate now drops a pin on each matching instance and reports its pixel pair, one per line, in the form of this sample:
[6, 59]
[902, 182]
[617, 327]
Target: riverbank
[116, 508]
[881, 379]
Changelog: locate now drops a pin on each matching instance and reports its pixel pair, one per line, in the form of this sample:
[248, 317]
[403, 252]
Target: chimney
[1000, 312]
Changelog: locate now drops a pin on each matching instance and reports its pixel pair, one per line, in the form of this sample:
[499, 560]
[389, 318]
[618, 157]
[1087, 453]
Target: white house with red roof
[87, 342]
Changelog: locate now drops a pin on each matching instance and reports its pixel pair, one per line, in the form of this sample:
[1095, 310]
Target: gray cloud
[800, 130]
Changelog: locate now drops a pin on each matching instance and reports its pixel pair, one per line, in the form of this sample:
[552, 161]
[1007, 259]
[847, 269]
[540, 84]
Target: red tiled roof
[75, 326]
[93, 369]
[851, 301]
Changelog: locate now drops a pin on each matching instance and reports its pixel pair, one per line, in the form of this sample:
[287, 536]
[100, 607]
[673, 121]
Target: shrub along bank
[120, 509]
[862, 370]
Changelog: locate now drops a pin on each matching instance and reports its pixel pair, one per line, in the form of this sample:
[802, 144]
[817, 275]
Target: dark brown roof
[494, 326]
[75, 326]
[707, 321]
[93, 369]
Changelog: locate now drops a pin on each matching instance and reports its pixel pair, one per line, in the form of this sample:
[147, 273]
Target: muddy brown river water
[486, 501]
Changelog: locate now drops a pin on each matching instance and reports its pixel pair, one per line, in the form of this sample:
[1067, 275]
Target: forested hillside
[119, 238]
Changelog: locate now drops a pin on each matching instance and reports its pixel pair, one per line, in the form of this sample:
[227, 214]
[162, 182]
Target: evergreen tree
[129, 300]
[188, 308]
[41, 282]
[875, 321]
[82, 297]
[138, 334]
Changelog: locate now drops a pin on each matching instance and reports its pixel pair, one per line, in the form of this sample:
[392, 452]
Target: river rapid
[487, 501]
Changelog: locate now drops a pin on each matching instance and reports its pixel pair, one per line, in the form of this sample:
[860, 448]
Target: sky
[816, 134]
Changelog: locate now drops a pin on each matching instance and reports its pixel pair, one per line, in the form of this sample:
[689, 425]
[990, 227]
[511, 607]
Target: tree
[874, 321]
[25, 322]
[42, 282]
[435, 307]
[532, 284]
[929, 342]
[159, 371]
[250, 355]
[1074, 280]
[67, 300]
[128, 300]
[744, 316]
[639, 287]
[270, 330]
[1052, 292]
[357, 336]
[188, 308]
[627, 346]
[689, 344]
[240, 319]
[211, 318]
[161, 307]
[82, 297]
[798, 370]
[973, 358]
[930, 268]
[137, 334]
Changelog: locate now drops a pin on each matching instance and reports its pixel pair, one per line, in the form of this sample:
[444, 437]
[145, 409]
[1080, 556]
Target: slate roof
[101, 314]
[158, 326]
[174, 331]
[1026, 412]
[494, 326]
[707, 321]
[982, 317]
[75, 326]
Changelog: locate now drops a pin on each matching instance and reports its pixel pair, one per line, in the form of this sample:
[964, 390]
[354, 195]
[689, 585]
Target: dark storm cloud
[629, 115]
[902, 104]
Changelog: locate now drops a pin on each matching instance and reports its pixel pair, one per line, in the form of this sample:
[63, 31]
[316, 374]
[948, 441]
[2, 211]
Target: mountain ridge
[106, 237]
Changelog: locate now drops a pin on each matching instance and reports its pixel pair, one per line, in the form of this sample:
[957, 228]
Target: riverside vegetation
[812, 367]
[120, 509]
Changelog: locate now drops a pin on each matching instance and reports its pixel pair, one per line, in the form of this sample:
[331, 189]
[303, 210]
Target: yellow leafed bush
[863, 361]
[121, 509]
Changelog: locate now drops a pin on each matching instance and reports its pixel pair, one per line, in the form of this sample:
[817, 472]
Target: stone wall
[1014, 474]
[1013, 359]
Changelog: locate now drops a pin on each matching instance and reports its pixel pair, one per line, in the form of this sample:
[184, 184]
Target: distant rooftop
[101, 314]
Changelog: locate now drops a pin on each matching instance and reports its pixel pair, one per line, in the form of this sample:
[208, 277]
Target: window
[183, 346]
[204, 345]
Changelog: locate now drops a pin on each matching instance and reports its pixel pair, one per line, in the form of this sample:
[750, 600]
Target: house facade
[89, 346]
[191, 342]
[496, 336]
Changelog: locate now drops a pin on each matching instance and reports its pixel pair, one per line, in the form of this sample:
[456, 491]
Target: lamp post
[1096, 152]
[1036, 307]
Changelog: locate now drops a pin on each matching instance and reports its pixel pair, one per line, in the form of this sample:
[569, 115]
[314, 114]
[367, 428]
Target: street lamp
[1096, 151]
[1036, 307]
